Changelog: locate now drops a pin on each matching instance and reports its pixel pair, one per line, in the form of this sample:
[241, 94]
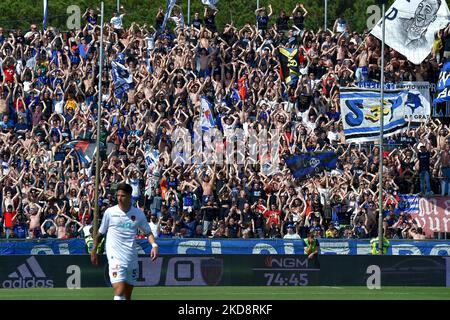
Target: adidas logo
[28, 275]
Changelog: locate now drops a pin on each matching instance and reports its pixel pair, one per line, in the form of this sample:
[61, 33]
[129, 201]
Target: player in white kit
[122, 222]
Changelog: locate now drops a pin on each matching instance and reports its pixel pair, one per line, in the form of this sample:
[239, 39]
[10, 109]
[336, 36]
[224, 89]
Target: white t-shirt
[325, 195]
[117, 22]
[59, 106]
[333, 136]
[228, 130]
[121, 229]
[154, 228]
[134, 183]
[291, 236]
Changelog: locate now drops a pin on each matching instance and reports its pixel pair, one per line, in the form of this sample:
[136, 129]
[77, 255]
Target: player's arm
[154, 252]
[143, 225]
[98, 239]
[100, 235]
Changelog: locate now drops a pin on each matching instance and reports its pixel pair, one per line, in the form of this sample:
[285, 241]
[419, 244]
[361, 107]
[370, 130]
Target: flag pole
[99, 115]
[189, 13]
[380, 184]
[45, 20]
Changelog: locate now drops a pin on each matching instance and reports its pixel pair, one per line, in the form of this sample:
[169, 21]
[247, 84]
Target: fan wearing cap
[291, 232]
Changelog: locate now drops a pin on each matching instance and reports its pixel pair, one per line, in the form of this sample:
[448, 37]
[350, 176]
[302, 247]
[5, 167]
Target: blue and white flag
[123, 79]
[443, 85]
[206, 116]
[409, 203]
[211, 3]
[170, 5]
[45, 14]
[360, 113]
[152, 167]
[418, 106]
[151, 160]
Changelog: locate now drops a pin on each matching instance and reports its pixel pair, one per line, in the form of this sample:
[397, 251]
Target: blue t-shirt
[188, 199]
[20, 230]
[262, 22]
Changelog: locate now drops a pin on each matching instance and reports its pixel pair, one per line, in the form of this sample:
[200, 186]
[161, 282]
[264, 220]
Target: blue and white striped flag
[211, 3]
[409, 203]
[361, 113]
[170, 5]
[45, 14]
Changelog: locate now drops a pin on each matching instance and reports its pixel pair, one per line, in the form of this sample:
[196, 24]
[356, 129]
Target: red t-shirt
[9, 73]
[272, 216]
[8, 216]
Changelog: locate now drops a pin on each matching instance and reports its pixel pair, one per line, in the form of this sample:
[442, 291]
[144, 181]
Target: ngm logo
[28, 275]
[272, 262]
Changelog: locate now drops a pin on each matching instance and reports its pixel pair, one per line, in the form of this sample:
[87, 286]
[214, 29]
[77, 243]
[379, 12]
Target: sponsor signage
[238, 246]
[48, 271]
[28, 275]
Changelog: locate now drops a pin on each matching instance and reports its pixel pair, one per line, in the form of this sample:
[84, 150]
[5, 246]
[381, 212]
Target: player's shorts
[120, 272]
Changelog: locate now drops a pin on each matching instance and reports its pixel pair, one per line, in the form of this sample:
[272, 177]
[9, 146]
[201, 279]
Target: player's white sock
[119, 298]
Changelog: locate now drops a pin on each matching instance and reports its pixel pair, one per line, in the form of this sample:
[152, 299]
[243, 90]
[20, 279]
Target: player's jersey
[122, 229]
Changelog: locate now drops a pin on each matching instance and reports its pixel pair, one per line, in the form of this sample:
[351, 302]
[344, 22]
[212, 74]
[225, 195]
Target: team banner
[289, 61]
[433, 215]
[361, 113]
[418, 105]
[411, 26]
[307, 165]
[123, 79]
[443, 85]
[169, 7]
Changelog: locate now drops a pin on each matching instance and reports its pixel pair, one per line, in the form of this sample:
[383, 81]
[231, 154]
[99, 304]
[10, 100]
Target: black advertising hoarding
[72, 271]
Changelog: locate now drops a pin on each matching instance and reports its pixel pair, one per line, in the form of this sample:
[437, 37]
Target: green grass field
[235, 293]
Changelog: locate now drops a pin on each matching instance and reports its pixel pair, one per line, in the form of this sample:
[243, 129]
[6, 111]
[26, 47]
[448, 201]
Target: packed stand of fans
[50, 100]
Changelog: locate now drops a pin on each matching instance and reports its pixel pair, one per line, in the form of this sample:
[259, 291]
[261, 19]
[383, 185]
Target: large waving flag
[360, 113]
[409, 203]
[443, 85]
[123, 79]
[151, 160]
[289, 61]
[44, 22]
[85, 149]
[307, 165]
[206, 117]
[411, 26]
[170, 5]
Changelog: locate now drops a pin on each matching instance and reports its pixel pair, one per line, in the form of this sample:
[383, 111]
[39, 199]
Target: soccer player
[122, 222]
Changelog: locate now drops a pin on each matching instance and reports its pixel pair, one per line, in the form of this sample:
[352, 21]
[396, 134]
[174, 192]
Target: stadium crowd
[49, 94]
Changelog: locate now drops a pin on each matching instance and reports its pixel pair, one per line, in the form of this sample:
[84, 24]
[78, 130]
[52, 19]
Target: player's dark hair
[125, 187]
